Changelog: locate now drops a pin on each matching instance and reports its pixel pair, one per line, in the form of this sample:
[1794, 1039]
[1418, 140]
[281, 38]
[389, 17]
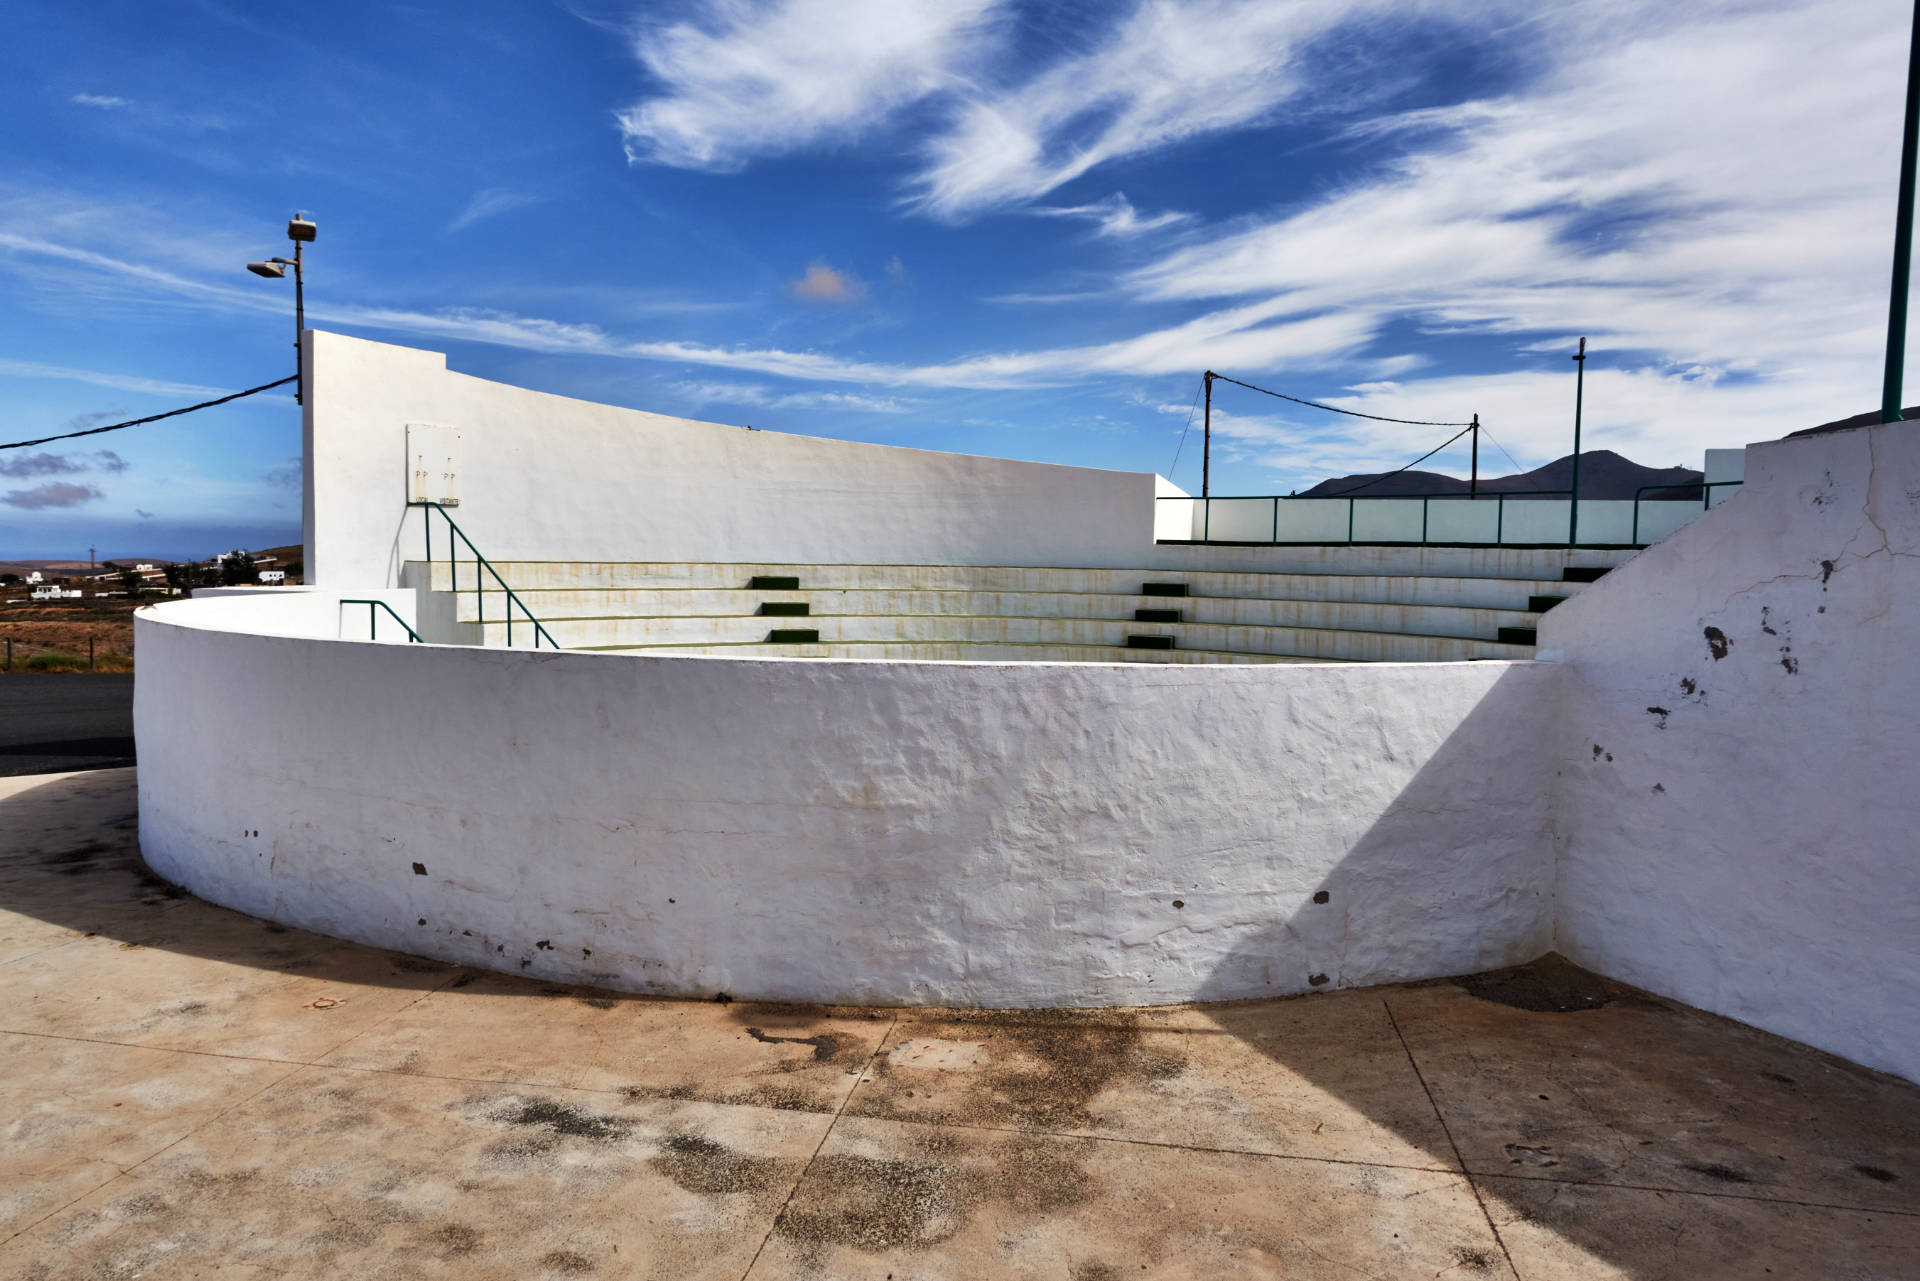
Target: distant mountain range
[1603, 474]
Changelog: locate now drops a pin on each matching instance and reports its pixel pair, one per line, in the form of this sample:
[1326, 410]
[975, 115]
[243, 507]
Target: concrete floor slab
[333, 1173]
[934, 1201]
[494, 1027]
[188, 1092]
[1253, 1076]
[159, 994]
[1583, 1232]
[1634, 1090]
[76, 1114]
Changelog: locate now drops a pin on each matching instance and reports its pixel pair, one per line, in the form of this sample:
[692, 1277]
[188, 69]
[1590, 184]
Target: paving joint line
[159, 1049]
[294, 1067]
[1447, 1130]
[1161, 1143]
[1730, 1196]
[793, 1191]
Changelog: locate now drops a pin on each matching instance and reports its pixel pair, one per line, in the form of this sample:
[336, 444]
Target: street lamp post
[300, 230]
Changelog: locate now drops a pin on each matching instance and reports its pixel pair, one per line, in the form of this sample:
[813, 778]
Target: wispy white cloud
[1115, 216]
[759, 79]
[491, 203]
[1021, 298]
[1619, 198]
[101, 100]
[1168, 72]
[102, 378]
[750, 394]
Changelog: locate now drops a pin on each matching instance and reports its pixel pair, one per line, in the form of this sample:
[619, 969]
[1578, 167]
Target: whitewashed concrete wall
[1007, 835]
[308, 611]
[544, 477]
[1739, 804]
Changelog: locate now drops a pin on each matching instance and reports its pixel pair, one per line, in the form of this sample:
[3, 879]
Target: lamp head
[271, 270]
[300, 227]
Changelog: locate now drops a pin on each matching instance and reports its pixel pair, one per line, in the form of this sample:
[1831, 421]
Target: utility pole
[1902, 240]
[1579, 394]
[1206, 432]
[1473, 483]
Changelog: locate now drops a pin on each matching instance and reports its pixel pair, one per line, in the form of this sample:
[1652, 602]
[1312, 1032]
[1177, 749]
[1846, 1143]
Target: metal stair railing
[373, 619]
[1706, 488]
[479, 591]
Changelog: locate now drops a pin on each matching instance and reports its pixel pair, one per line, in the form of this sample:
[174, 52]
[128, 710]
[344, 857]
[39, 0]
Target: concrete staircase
[1423, 605]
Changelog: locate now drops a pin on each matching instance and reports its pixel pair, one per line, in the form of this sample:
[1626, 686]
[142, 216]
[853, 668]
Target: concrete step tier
[1367, 572]
[555, 608]
[1347, 644]
[723, 588]
[1367, 604]
[927, 651]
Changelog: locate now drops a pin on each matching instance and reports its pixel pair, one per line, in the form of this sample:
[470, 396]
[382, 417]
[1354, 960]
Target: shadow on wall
[1456, 875]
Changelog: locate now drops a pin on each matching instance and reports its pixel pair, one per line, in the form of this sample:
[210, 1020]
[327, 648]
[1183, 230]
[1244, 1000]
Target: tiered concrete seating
[1393, 604]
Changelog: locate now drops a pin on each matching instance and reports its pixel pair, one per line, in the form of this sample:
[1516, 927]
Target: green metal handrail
[373, 619]
[1706, 488]
[479, 592]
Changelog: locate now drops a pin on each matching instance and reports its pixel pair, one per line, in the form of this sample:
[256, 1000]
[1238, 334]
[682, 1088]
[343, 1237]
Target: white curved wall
[545, 477]
[993, 834]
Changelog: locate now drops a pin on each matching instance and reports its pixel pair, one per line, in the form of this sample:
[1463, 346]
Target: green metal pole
[1579, 394]
[1902, 240]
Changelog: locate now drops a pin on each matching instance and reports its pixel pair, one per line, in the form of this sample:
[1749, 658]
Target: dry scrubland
[53, 635]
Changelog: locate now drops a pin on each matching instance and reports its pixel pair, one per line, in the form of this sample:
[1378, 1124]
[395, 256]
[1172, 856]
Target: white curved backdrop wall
[993, 834]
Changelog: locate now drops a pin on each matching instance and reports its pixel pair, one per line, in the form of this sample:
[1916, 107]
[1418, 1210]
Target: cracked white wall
[1739, 783]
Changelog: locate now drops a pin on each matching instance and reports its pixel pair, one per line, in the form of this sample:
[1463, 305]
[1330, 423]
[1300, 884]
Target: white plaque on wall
[433, 464]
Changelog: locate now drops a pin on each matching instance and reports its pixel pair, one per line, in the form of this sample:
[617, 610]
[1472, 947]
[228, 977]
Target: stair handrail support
[480, 595]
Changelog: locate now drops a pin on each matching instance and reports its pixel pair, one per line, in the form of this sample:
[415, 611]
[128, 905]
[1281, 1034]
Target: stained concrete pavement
[188, 1092]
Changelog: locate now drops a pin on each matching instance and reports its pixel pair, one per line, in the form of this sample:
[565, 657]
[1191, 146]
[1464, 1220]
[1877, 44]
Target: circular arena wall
[995, 834]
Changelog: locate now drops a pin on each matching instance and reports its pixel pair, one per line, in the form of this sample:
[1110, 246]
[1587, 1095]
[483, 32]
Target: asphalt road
[56, 721]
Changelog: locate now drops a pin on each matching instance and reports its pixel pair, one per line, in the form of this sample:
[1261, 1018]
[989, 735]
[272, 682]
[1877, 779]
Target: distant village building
[273, 576]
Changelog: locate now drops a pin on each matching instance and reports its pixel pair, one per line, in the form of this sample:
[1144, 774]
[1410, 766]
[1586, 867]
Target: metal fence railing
[1272, 520]
[1706, 488]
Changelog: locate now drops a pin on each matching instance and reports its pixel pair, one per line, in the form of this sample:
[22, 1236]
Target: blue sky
[996, 227]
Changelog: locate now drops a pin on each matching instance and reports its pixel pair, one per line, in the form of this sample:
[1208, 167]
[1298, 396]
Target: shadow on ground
[1537, 1121]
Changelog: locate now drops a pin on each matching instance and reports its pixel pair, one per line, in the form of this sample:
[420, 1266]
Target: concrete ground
[187, 1092]
[64, 721]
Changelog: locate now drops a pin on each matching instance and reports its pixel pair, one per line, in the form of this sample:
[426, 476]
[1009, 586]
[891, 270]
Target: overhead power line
[1184, 430]
[1335, 409]
[1396, 471]
[153, 418]
[1502, 448]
